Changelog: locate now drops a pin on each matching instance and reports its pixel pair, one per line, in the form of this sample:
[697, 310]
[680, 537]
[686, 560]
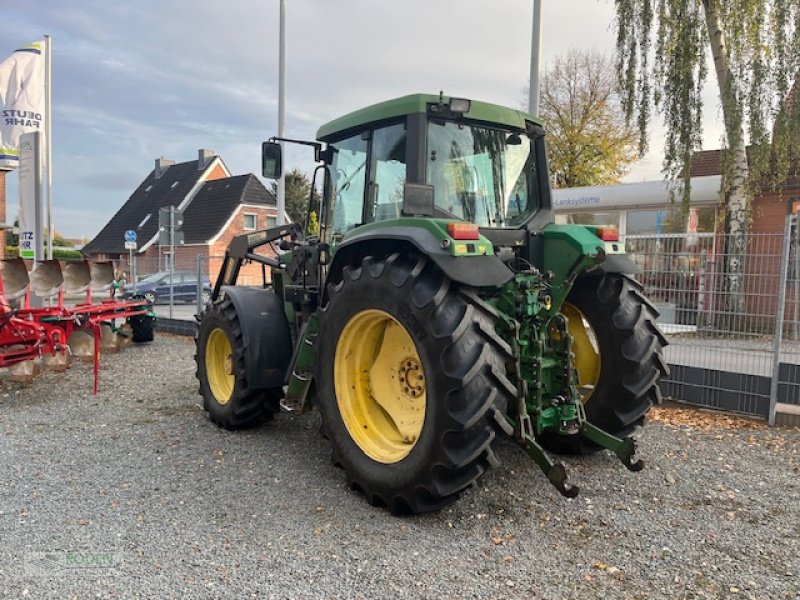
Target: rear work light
[608, 233]
[460, 105]
[463, 231]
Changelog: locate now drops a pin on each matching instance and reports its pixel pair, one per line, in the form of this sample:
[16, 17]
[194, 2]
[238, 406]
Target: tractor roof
[418, 103]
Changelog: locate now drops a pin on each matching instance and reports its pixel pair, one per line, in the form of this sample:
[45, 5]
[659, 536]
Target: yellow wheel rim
[219, 366]
[380, 386]
[585, 348]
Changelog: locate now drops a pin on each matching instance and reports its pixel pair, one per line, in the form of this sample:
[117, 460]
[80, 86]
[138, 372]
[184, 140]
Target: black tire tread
[473, 358]
[631, 348]
[247, 407]
[143, 328]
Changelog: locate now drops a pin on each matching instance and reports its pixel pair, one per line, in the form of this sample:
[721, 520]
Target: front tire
[410, 375]
[220, 356]
[618, 355]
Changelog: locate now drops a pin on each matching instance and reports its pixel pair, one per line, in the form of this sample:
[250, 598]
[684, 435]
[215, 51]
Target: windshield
[482, 175]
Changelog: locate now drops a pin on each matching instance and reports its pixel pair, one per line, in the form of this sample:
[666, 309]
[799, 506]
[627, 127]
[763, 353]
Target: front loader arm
[242, 248]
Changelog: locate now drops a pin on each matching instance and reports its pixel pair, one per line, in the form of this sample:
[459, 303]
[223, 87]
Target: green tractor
[429, 305]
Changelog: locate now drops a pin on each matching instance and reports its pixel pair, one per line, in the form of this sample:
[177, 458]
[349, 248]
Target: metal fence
[734, 339]
[193, 277]
[733, 350]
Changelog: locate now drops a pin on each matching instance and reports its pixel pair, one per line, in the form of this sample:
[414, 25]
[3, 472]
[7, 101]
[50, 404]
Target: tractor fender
[617, 263]
[266, 338]
[477, 271]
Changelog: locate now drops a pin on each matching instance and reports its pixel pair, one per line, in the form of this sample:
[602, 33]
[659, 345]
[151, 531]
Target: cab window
[348, 181]
[387, 173]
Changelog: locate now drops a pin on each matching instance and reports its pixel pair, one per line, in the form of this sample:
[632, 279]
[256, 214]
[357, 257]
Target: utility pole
[536, 51]
[48, 130]
[171, 258]
[282, 108]
[170, 221]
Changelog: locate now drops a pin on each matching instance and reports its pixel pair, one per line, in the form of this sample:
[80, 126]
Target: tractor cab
[430, 156]
[482, 163]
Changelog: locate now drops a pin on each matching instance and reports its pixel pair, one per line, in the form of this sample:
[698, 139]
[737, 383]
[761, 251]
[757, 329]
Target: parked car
[155, 288]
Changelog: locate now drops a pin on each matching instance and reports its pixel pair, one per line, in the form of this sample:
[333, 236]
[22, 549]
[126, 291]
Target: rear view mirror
[271, 160]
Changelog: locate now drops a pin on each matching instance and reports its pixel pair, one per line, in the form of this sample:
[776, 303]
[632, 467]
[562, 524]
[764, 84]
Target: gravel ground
[133, 493]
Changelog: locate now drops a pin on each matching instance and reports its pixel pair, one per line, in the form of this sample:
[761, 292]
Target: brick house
[768, 210]
[216, 206]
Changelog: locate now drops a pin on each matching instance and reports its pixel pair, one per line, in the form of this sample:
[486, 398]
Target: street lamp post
[536, 50]
[281, 200]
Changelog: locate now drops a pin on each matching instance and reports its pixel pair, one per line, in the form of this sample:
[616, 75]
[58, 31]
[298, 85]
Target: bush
[67, 254]
[58, 253]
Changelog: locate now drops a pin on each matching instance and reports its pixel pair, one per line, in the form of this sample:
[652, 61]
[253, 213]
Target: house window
[272, 221]
[249, 221]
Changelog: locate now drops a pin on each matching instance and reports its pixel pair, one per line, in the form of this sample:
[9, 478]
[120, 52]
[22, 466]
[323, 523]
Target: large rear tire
[410, 375]
[220, 357]
[618, 355]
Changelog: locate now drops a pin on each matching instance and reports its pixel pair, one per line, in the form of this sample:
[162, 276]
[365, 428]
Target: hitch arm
[624, 448]
[555, 471]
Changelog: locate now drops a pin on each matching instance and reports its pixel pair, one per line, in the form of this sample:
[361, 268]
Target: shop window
[670, 220]
[594, 218]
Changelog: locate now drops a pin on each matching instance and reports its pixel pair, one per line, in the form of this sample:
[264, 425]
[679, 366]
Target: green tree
[12, 239]
[589, 141]
[298, 187]
[755, 46]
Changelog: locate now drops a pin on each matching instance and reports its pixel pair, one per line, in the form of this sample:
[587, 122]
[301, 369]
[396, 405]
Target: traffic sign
[163, 237]
[164, 217]
[130, 245]
[130, 236]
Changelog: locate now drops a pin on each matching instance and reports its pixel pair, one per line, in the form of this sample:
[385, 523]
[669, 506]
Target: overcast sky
[137, 80]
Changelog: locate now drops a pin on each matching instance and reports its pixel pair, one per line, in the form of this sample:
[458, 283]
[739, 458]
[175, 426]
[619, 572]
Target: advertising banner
[31, 226]
[22, 99]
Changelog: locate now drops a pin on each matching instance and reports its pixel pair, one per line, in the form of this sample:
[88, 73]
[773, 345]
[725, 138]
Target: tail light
[463, 231]
[608, 233]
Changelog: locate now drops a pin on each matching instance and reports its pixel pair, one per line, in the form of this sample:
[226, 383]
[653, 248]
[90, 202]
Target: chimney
[204, 156]
[162, 164]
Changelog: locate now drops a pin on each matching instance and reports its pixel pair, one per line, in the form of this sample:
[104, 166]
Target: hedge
[58, 253]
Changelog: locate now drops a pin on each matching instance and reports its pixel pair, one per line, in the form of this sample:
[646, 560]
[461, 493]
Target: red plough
[56, 332]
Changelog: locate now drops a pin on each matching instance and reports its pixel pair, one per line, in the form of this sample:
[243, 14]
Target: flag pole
[48, 128]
